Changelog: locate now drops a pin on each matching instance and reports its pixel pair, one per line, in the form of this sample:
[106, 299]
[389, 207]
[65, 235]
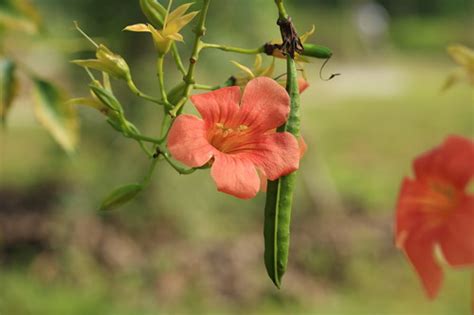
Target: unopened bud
[154, 12]
[106, 97]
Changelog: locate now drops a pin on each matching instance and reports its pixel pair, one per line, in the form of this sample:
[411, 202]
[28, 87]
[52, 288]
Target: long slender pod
[280, 195]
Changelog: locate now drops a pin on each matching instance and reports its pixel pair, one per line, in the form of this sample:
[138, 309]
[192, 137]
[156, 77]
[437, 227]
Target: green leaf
[120, 196]
[20, 15]
[55, 114]
[8, 87]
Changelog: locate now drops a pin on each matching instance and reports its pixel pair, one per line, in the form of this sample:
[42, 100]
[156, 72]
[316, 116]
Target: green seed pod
[120, 196]
[316, 51]
[154, 12]
[280, 195]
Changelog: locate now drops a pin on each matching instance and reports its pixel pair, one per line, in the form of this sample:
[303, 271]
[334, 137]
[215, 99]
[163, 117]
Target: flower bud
[154, 12]
[106, 97]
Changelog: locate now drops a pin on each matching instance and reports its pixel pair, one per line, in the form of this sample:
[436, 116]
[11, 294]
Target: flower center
[227, 138]
[438, 201]
[440, 197]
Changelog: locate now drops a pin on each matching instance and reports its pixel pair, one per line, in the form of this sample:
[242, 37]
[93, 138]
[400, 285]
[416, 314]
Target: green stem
[145, 149]
[161, 79]
[165, 127]
[189, 80]
[137, 92]
[140, 137]
[177, 59]
[179, 169]
[238, 50]
[151, 170]
[206, 87]
[281, 9]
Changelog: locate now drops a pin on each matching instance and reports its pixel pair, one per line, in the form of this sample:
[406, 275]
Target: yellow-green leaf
[19, 15]
[462, 55]
[55, 114]
[120, 196]
[8, 87]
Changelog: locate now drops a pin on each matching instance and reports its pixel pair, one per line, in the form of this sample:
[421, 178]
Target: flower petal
[235, 175]
[409, 217]
[302, 85]
[187, 141]
[218, 106]
[452, 162]
[275, 154]
[457, 239]
[265, 104]
[263, 181]
[175, 25]
[179, 11]
[419, 249]
[303, 146]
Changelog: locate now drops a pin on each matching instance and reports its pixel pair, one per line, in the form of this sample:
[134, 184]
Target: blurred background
[183, 248]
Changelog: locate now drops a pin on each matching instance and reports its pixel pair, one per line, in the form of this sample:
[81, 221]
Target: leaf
[453, 78]
[462, 55]
[55, 114]
[8, 87]
[20, 15]
[120, 196]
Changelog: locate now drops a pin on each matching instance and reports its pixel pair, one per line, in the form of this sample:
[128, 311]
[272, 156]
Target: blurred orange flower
[435, 209]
